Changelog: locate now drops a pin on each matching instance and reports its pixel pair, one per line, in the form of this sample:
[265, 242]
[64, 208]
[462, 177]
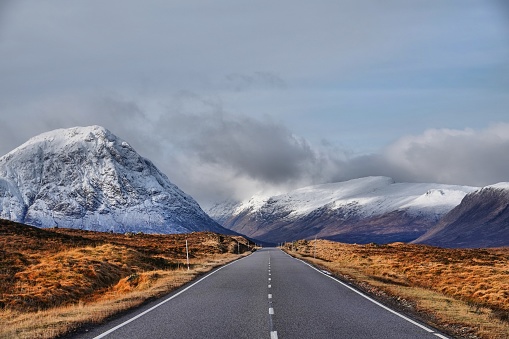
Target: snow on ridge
[368, 196]
[500, 185]
[254, 203]
[64, 136]
[307, 199]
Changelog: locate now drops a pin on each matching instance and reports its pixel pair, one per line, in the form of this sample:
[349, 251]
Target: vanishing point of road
[267, 294]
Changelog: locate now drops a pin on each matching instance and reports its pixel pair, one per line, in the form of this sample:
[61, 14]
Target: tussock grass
[56, 281]
[463, 291]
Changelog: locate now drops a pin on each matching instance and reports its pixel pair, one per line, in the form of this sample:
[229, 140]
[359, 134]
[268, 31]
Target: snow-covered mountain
[372, 209]
[87, 178]
[480, 220]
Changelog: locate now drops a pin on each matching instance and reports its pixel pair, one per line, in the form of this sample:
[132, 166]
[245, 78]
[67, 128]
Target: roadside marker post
[187, 255]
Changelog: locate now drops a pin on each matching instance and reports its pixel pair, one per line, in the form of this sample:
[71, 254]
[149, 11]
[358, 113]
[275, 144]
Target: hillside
[480, 220]
[83, 276]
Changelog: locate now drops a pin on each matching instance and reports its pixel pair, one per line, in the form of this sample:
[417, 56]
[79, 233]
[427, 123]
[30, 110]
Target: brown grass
[462, 291]
[54, 281]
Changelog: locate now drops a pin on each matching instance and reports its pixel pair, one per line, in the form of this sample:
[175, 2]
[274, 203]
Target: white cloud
[474, 157]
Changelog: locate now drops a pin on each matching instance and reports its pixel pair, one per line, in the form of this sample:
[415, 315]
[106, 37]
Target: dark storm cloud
[260, 149]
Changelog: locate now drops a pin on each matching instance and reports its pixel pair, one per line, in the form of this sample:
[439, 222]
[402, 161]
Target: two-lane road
[265, 295]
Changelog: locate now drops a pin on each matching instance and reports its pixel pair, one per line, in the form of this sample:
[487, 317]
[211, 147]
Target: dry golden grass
[54, 281]
[463, 291]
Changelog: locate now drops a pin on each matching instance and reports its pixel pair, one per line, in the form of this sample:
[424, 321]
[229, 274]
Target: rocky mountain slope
[87, 178]
[372, 209]
[481, 220]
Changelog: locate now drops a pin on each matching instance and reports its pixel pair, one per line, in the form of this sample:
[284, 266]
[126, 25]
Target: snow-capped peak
[86, 177]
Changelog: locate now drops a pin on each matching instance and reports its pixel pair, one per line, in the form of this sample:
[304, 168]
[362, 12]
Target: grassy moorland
[55, 281]
[462, 291]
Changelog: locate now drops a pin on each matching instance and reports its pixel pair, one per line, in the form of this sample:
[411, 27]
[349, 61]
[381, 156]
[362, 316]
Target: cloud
[473, 157]
[260, 149]
[450, 156]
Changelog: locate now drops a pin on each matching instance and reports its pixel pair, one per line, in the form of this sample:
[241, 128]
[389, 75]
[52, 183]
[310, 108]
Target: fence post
[187, 255]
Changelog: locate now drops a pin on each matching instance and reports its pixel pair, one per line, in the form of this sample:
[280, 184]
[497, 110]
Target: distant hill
[480, 220]
[87, 178]
[372, 209]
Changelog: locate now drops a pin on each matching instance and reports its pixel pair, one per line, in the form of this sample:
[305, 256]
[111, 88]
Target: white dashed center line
[273, 334]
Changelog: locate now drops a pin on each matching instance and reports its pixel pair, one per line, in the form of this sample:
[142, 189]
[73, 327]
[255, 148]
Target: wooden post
[187, 255]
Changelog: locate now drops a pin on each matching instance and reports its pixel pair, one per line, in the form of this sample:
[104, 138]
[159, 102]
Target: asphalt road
[265, 295]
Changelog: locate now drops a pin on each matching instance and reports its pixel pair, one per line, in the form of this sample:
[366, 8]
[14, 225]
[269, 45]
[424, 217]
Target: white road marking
[427, 329]
[162, 302]
[273, 334]
[270, 286]
[270, 279]
[271, 311]
[270, 296]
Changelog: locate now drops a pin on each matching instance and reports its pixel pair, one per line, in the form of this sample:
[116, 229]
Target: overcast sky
[232, 98]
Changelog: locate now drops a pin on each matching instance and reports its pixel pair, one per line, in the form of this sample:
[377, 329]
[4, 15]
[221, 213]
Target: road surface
[265, 295]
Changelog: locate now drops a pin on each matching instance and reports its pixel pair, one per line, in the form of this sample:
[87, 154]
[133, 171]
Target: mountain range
[87, 178]
[372, 209]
